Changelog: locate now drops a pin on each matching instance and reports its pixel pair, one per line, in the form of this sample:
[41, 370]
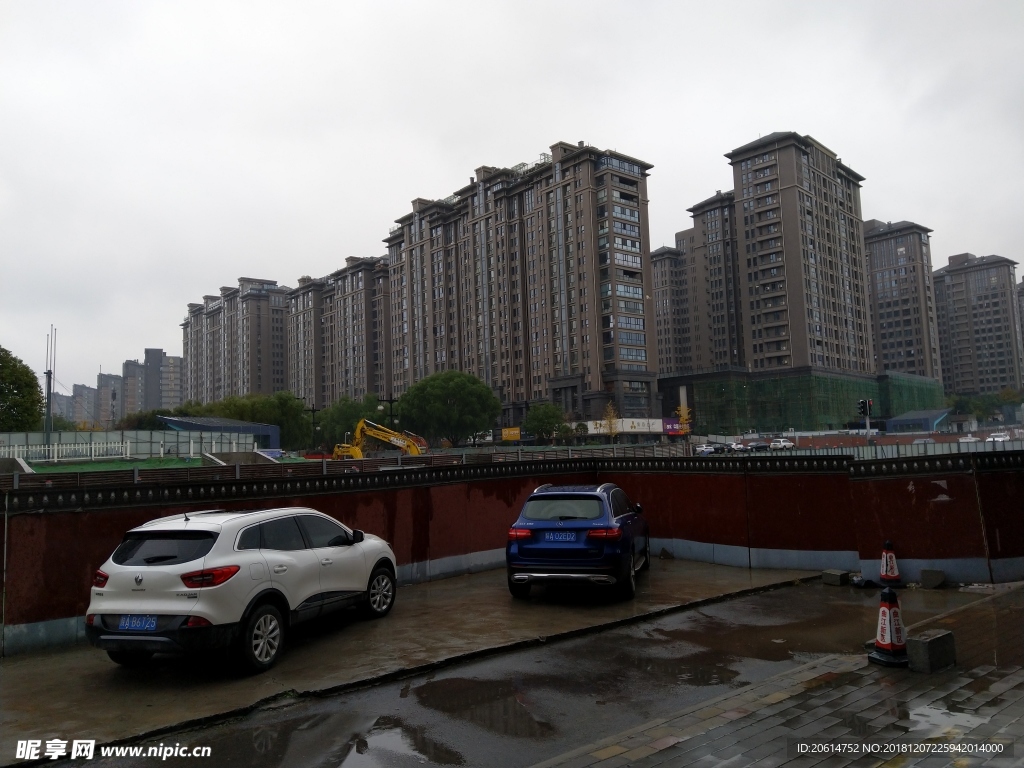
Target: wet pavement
[908, 718]
[524, 706]
[79, 694]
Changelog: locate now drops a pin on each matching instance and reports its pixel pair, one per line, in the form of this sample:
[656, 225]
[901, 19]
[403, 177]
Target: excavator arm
[366, 428]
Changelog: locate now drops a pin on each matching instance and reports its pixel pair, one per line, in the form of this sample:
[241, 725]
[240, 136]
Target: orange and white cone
[891, 637]
[890, 572]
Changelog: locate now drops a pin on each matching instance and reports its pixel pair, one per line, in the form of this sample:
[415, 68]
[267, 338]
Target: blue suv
[578, 533]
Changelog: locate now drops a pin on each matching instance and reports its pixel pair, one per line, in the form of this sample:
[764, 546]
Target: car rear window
[564, 508]
[142, 548]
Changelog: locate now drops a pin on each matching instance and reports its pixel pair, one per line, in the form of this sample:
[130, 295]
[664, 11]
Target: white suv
[781, 444]
[233, 579]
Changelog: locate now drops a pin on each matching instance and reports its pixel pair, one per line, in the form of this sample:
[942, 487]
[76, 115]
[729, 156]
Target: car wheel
[130, 658]
[263, 638]
[380, 594]
[647, 556]
[627, 582]
[519, 591]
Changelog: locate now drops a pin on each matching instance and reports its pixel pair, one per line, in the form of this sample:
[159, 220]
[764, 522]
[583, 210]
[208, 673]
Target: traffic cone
[891, 637]
[890, 574]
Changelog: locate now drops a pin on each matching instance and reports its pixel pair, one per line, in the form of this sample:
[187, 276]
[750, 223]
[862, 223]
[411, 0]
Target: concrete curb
[400, 674]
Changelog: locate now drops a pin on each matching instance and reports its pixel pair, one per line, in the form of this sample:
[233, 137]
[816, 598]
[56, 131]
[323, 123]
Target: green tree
[451, 405]
[145, 420]
[564, 432]
[543, 420]
[21, 398]
[342, 417]
[58, 424]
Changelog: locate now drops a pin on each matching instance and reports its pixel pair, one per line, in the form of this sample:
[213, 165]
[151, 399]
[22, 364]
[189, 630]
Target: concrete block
[931, 651]
[932, 578]
[835, 578]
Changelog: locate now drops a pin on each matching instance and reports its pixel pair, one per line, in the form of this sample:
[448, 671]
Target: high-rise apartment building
[63, 406]
[699, 311]
[534, 278]
[902, 303]
[109, 406]
[154, 383]
[356, 330]
[801, 252]
[978, 324]
[234, 344]
[337, 333]
[171, 367]
[133, 376]
[670, 268]
[304, 340]
[1020, 306]
[83, 406]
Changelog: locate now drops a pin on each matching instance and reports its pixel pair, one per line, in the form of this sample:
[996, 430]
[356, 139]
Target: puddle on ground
[390, 738]
[932, 721]
[498, 706]
[329, 740]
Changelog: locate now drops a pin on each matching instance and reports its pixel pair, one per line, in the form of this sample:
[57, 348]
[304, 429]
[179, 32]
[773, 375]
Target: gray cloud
[152, 152]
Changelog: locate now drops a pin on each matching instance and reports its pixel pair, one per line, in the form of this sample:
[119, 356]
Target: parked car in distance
[239, 580]
[703, 447]
[998, 437]
[737, 447]
[924, 441]
[969, 439]
[758, 445]
[589, 534]
[781, 444]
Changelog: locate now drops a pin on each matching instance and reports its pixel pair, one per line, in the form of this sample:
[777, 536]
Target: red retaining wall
[931, 515]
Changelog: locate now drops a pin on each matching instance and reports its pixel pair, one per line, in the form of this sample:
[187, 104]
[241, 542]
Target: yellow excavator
[407, 442]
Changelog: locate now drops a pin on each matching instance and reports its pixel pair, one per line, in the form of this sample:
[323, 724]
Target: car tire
[262, 638]
[627, 582]
[380, 594]
[130, 658]
[647, 556]
[519, 591]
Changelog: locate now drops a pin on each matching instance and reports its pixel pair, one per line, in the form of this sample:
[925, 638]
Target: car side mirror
[357, 536]
[639, 509]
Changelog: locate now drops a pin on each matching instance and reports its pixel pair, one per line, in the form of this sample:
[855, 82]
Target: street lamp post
[391, 409]
[312, 409]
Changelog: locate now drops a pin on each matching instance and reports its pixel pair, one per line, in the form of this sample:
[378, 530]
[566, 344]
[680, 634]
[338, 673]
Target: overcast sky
[151, 152]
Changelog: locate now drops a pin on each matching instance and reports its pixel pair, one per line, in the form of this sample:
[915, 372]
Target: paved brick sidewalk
[844, 697]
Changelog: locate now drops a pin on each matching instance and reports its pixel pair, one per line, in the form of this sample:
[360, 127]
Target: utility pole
[51, 354]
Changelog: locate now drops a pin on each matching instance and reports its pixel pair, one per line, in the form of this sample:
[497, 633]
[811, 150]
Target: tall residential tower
[536, 279]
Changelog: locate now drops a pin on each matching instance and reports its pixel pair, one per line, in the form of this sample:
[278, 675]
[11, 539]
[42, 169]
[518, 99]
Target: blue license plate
[131, 622]
[559, 535]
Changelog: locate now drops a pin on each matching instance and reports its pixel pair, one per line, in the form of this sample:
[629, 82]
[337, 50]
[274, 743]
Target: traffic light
[862, 407]
[870, 404]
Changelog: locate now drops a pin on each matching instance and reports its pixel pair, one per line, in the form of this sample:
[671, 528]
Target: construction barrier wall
[961, 514]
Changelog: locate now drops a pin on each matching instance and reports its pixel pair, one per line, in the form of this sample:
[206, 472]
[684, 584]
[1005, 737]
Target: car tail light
[197, 621]
[515, 534]
[605, 534]
[90, 619]
[99, 579]
[210, 577]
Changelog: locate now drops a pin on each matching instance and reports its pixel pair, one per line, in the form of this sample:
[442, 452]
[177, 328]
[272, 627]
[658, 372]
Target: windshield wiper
[158, 558]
